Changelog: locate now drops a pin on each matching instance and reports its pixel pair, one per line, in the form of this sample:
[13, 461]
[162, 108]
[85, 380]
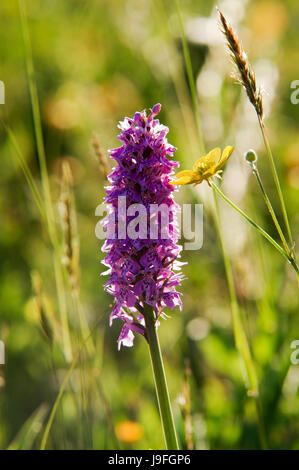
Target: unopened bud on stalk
[250, 156]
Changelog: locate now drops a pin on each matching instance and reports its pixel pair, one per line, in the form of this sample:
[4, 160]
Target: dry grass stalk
[100, 156]
[246, 75]
[71, 247]
[70, 244]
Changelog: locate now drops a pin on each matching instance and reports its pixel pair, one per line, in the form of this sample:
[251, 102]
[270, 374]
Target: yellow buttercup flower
[205, 167]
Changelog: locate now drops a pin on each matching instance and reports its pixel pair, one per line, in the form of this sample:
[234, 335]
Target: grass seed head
[246, 76]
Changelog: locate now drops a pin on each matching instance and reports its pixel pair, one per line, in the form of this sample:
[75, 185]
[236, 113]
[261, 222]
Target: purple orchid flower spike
[142, 271]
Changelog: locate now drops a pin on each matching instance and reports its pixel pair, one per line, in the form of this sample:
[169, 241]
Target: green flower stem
[276, 179]
[170, 437]
[270, 208]
[256, 226]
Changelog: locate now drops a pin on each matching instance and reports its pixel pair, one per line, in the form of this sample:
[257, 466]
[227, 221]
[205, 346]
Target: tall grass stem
[191, 80]
[45, 182]
[63, 386]
[26, 170]
[239, 330]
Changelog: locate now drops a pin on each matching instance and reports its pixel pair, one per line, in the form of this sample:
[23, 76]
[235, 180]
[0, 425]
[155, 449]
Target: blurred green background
[96, 62]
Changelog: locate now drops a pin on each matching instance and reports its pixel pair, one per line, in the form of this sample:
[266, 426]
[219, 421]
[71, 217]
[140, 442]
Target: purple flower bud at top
[142, 269]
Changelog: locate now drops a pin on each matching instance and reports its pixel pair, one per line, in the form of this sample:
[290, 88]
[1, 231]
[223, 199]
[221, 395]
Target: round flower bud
[250, 156]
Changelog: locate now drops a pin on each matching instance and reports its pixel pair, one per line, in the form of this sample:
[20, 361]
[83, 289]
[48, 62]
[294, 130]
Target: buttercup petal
[184, 180]
[226, 154]
[224, 157]
[213, 156]
[184, 173]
